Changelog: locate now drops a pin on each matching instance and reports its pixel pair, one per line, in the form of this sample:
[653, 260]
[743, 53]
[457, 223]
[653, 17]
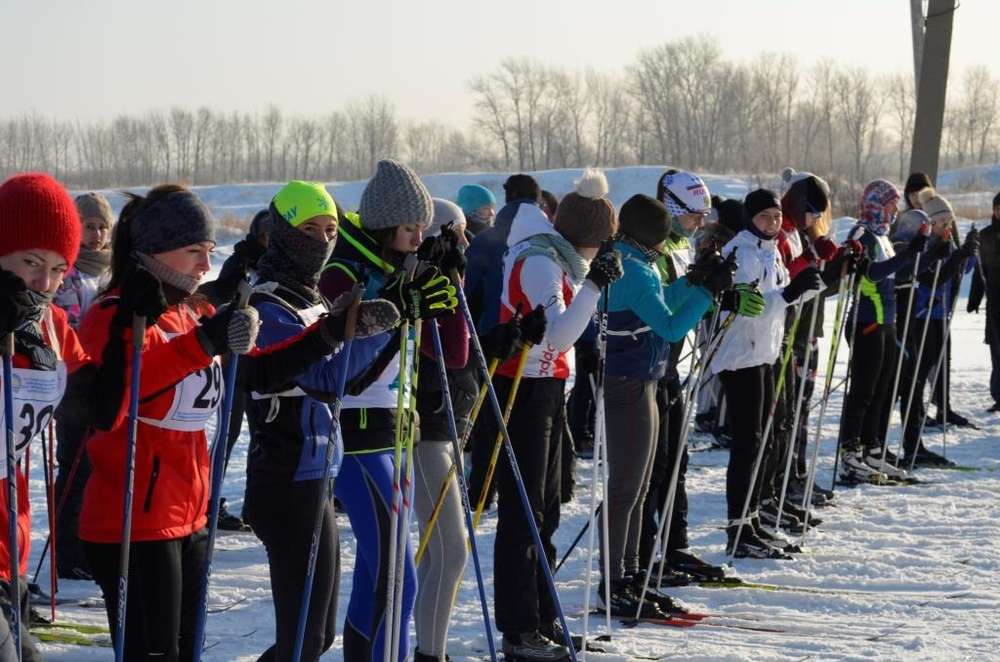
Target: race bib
[36, 395]
[196, 397]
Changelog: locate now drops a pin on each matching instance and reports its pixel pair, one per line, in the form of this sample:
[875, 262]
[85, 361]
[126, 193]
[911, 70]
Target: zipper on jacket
[153, 475]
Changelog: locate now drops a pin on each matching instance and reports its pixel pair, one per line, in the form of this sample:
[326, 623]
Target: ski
[816, 590]
[71, 637]
[82, 628]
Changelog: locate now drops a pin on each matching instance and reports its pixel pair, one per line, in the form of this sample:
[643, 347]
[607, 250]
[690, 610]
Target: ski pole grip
[352, 312]
[243, 292]
[138, 332]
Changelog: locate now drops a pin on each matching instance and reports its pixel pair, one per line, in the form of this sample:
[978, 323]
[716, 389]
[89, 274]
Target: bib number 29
[211, 393]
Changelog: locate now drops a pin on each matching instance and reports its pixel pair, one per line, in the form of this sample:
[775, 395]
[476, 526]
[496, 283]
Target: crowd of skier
[423, 359]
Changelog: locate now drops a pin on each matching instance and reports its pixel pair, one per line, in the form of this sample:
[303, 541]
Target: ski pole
[218, 474]
[407, 508]
[48, 443]
[397, 476]
[463, 491]
[769, 423]
[138, 335]
[516, 475]
[13, 550]
[443, 492]
[899, 362]
[800, 397]
[323, 493]
[844, 292]
[851, 341]
[937, 368]
[916, 364]
[666, 514]
[498, 443]
[599, 470]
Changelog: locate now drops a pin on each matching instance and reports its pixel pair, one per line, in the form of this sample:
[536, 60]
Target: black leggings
[283, 517]
[164, 592]
[873, 369]
[749, 392]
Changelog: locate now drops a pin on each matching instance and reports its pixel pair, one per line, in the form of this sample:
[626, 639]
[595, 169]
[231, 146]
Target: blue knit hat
[473, 196]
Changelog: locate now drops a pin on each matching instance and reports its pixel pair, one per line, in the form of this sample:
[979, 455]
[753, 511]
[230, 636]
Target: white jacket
[753, 341]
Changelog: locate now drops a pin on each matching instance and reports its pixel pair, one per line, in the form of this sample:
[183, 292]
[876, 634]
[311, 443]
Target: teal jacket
[644, 317]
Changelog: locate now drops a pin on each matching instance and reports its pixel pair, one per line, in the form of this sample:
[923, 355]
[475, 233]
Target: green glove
[745, 299]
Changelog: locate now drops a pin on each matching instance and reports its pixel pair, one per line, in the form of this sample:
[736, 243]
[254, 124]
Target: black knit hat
[917, 181]
[518, 187]
[645, 220]
[996, 200]
[731, 214]
[757, 201]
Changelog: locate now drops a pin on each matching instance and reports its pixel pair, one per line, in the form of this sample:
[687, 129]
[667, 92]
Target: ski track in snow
[915, 570]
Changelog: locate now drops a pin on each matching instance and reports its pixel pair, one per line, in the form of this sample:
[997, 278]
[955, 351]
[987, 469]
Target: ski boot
[855, 471]
[228, 521]
[928, 458]
[624, 601]
[666, 604]
[689, 564]
[750, 545]
[531, 647]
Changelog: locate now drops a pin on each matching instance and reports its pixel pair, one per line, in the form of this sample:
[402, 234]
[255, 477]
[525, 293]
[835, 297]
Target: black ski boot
[750, 545]
[774, 538]
[228, 521]
[666, 604]
[768, 514]
[532, 646]
[625, 601]
[683, 561]
[927, 458]
[671, 576]
[422, 657]
[553, 632]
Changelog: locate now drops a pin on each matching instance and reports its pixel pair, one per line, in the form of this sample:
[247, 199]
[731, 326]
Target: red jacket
[171, 483]
[72, 353]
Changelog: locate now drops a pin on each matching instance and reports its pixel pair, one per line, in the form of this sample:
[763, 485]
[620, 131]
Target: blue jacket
[644, 317]
[951, 269]
[293, 426]
[484, 267]
[877, 290]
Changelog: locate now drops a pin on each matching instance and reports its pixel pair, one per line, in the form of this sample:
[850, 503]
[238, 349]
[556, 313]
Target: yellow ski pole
[481, 505]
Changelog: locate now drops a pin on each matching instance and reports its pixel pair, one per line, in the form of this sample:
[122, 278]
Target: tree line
[680, 103]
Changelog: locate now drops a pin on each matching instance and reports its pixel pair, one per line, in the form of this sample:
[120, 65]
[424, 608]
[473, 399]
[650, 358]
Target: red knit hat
[37, 212]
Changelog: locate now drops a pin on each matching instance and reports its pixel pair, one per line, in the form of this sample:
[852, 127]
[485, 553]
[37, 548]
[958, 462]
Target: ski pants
[632, 426]
[749, 392]
[872, 372]
[668, 439]
[917, 380]
[522, 601]
[29, 651]
[580, 405]
[283, 516]
[443, 565]
[70, 452]
[994, 345]
[364, 489]
[164, 593]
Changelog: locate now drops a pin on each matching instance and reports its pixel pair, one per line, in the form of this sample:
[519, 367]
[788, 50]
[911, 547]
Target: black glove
[916, 245]
[443, 251]
[16, 306]
[142, 295]
[970, 247]
[712, 272]
[502, 340]
[939, 250]
[972, 306]
[533, 326]
[606, 268]
[808, 280]
[428, 295]
[230, 329]
[248, 251]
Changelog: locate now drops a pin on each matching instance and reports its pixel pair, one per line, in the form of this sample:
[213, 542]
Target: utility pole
[917, 26]
[932, 87]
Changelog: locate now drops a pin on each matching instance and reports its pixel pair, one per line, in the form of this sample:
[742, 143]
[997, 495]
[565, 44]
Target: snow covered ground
[894, 573]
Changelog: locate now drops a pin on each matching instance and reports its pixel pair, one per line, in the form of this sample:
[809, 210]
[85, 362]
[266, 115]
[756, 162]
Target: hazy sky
[97, 58]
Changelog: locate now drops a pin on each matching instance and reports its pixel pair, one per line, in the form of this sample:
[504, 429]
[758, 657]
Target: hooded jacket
[753, 341]
[535, 279]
